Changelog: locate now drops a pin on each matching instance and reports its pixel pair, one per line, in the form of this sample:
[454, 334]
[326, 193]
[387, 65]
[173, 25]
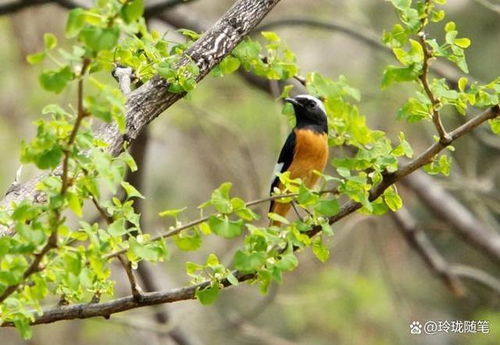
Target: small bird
[305, 149]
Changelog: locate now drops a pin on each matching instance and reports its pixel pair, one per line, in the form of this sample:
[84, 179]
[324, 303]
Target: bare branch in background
[477, 275]
[492, 7]
[149, 281]
[417, 240]
[462, 221]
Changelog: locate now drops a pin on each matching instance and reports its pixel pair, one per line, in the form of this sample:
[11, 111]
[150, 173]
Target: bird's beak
[292, 100]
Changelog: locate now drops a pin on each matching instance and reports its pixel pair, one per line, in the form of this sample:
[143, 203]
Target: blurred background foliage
[373, 285]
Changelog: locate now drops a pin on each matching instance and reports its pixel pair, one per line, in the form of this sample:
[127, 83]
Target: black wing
[285, 159]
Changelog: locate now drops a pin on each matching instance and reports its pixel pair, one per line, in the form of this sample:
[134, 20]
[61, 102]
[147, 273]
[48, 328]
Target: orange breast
[311, 153]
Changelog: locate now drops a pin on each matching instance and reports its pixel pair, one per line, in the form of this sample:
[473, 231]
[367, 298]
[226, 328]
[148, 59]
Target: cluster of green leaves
[271, 59]
[81, 173]
[415, 52]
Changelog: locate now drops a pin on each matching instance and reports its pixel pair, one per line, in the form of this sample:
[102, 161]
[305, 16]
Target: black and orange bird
[305, 149]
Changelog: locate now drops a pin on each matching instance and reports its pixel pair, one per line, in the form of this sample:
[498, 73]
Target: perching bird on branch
[305, 149]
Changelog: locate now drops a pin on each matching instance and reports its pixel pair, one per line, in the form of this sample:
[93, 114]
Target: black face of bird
[309, 111]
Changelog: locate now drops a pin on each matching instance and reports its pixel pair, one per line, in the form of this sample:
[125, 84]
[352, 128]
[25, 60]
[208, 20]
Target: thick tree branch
[134, 287]
[148, 101]
[87, 310]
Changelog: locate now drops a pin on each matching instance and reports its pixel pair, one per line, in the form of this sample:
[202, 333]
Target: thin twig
[124, 76]
[436, 118]
[81, 114]
[198, 221]
[104, 215]
[127, 266]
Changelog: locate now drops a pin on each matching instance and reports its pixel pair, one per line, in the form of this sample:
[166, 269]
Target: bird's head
[309, 112]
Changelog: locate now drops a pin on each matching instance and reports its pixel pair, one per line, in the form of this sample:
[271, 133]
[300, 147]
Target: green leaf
[209, 294]
[414, 111]
[462, 82]
[439, 165]
[144, 251]
[394, 74]
[129, 160]
[450, 26]
[495, 125]
[36, 58]
[49, 159]
[97, 39]
[278, 218]
[225, 227]
[401, 4]
[437, 16]
[462, 42]
[172, 213]
[392, 199]
[192, 35]
[131, 191]
[75, 23]
[74, 203]
[212, 260]
[270, 36]
[132, 10]
[288, 262]
[319, 250]
[327, 207]
[232, 279]
[229, 65]
[117, 228]
[50, 41]
[248, 262]
[220, 198]
[23, 327]
[56, 80]
[188, 241]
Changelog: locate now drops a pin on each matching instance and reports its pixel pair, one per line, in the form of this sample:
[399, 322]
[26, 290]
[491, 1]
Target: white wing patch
[314, 99]
[277, 168]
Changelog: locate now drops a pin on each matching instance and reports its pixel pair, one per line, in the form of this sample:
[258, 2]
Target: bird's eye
[311, 104]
